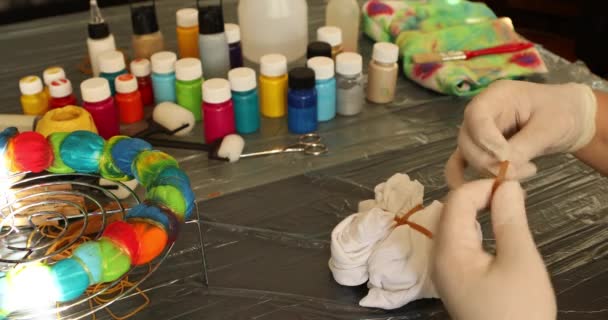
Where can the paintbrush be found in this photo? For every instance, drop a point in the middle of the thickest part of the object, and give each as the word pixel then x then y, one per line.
pixel 435 57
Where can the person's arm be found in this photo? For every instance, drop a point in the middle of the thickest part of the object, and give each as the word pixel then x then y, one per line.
pixel 595 154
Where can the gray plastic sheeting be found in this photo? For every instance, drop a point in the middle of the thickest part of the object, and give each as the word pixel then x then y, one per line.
pixel 267 221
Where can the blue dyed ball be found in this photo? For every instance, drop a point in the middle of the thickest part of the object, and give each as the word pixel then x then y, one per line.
pixel 125 151
pixel 81 151
pixel 160 216
pixel 177 178
pixel 71 279
pixel 89 253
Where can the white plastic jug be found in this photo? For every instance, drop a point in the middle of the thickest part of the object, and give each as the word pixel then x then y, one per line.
pixel 273 26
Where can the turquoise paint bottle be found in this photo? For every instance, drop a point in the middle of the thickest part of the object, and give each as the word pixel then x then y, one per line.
pixel 163 76
pixel 111 65
pixel 246 100
pixel 325 83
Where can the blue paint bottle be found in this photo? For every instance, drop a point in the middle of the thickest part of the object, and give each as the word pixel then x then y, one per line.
pixel 326 87
pixel 246 101
pixel 111 65
pixel 302 101
pixel 163 76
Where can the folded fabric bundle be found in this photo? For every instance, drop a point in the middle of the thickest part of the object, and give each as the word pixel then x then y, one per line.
pixel 436 26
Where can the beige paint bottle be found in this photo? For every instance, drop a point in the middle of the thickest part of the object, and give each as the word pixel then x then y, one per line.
pixel 147 38
pixel 382 73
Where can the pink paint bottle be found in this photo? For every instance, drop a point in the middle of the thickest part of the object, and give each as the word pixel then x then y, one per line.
pixel 218 109
pixel 98 101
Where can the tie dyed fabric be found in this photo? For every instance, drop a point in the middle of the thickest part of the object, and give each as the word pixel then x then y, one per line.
pixel 425 26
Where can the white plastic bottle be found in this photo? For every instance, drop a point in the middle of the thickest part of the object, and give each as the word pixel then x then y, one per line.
pixel 273 26
pixel 100 39
pixel 346 15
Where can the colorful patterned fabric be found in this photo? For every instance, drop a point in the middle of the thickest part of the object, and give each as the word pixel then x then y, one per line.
pixel 426 26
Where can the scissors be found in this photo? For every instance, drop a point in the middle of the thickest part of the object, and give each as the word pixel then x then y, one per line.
pixel 310 144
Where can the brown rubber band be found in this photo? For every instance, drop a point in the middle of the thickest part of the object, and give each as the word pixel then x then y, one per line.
pixel 404 220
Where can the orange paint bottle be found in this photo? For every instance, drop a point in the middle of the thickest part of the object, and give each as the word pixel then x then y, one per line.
pixel 187 33
pixel 128 99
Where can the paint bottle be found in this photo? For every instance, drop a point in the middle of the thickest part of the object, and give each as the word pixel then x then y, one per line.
pixel 233 34
pixel 33 100
pixel 111 65
pixel 246 100
pixel 163 76
pixel 187 32
pixel 147 38
pixel 62 94
pixel 97 100
pixel 318 49
pixel 212 42
pixel 333 36
pixel 273 85
pixel 302 101
pixel 218 109
pixel 346 15
pixel 189 75
pixel 128 99
pixel 349 81
pixel 100 39
pixel 141 69
pixel 325 84
pixel 49 75
pixel 382 73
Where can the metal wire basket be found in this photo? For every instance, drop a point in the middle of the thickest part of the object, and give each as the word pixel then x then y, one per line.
pixel 76 207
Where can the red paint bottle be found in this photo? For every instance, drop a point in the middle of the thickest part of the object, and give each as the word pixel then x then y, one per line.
pixel 141 69
pixel 128 99
pixel 98 101
pixel 218 109
pixel 62 94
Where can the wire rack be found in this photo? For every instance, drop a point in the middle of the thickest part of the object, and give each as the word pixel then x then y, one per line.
pixel 75 206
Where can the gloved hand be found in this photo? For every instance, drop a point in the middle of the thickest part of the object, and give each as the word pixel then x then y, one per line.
pixel 475 285
pixel 537 119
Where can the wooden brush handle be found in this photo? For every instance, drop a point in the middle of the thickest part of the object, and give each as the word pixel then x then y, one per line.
pixel 505 48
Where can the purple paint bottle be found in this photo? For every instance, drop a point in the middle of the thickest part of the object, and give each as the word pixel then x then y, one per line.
pixel 233 34
pixel 98 101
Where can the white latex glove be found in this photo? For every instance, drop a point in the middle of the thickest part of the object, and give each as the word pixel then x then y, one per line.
pixel 352 242
pixel 475 285
pixel 400 266
pixel 537 119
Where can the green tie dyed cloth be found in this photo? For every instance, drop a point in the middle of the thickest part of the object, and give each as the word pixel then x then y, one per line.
pixel 427 26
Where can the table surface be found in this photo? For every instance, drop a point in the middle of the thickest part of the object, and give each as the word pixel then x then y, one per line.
pixel 267 221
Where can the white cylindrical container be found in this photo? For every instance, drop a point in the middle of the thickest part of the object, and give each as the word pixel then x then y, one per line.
pixel 273 26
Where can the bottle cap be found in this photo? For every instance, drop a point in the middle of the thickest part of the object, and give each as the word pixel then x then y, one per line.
pixel 210 20
pixel 385 52
pixel 126 83
pixel 322 66
pixel 30 85
pixel 98 30
pixel 60 88
pixel 318 49
pixel 273 65
pixel 330 34
pixel 187 17
pixel 216 90
pixel 163 62
pixel 301 78
pixel 187 69
pixel 51 74
pixel 95 90
pixel 111 62
pixel 140 67
pixel 242 79
pixel 349 63
pixel 233 32
pixel 143 20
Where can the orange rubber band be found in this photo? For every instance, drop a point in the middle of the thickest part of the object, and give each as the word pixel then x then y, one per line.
pixel 405 220
pixel 500 178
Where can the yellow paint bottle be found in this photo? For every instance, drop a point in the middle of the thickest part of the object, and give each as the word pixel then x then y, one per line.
pixel 33 98
pixel 273 85
pixel 187 33
pixel 49 75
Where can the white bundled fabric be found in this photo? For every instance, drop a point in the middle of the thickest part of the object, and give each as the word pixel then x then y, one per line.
pixel 352 242
pixel 400 266
pixel 353 239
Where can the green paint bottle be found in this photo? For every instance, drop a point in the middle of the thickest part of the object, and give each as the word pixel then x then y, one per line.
pixel 188 87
